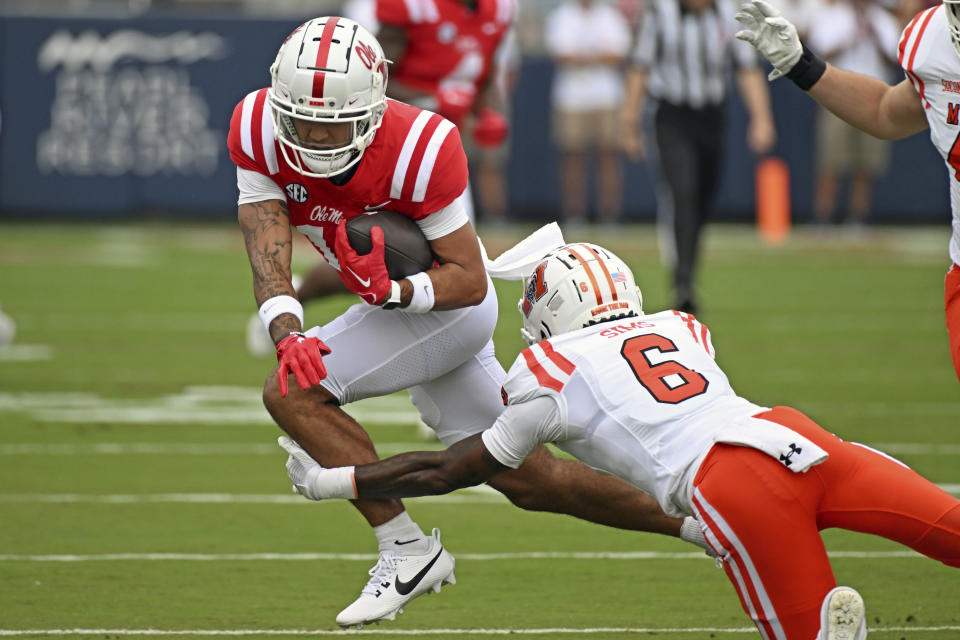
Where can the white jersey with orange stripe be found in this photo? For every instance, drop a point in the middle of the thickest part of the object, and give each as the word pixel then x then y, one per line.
pixel 641 398
pixel 933 67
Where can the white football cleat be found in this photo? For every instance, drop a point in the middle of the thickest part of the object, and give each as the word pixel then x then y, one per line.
pixel 843 615
pixel 398 578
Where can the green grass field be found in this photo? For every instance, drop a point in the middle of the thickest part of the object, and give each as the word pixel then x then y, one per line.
pixel 141 491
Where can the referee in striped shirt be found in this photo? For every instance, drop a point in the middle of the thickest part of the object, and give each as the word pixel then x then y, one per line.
pixel 685 55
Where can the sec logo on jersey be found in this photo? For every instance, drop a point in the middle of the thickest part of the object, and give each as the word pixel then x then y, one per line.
pixel 296 192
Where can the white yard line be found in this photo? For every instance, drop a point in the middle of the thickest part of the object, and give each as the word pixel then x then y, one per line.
pixel 411 632
pixel 367 557
pixel 270 448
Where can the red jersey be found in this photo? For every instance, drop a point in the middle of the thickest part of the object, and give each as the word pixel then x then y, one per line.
pixel 447 43
pixel 415 166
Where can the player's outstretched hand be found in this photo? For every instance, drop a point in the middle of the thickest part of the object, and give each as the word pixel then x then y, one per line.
pixel 301 468
pixel 774 36
pixel 366 275
pixel 490 128
pixel 302 356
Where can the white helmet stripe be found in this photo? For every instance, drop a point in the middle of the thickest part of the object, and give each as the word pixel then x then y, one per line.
pixel 406 153
pixel 430 158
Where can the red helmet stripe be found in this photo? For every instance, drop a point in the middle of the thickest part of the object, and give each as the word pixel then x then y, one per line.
pixel 323 53
pixel 593 280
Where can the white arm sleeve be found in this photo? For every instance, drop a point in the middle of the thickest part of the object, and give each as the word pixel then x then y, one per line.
pixel 521 428
pixel 444 221
pixel 256 187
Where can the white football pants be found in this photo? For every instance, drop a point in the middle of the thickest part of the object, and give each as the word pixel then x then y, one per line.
pixel 445 359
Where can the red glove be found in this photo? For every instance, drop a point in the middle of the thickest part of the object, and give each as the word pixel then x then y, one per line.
pixel 366 275
pixel 304 357
pixel 490 128
pixel 453 103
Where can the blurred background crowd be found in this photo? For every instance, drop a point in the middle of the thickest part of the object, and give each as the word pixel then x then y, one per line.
pixel 120 108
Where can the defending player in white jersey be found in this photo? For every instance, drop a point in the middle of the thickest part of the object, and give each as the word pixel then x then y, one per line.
pixel 929 97
pixel 643 398
pixel 318 147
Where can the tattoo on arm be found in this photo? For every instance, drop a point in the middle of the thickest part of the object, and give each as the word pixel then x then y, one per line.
pixel 269 243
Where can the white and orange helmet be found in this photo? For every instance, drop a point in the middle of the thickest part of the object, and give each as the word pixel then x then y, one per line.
pixel 576 286
pixel 329 70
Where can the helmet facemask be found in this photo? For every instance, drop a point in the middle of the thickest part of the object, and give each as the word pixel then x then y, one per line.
pixel 952 10
pixel 577 286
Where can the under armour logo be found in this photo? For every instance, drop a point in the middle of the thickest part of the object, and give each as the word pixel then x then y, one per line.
pixel 785 459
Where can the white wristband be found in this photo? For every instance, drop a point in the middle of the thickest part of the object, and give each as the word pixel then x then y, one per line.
pixel 278 305
pixel 331 483
pixel 422 300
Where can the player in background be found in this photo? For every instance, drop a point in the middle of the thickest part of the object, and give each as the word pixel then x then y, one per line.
pixel 929 97
pixel 642 397
pixel 318 147
pixel 447 56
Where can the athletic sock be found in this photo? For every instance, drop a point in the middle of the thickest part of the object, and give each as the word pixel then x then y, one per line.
pixel 401 534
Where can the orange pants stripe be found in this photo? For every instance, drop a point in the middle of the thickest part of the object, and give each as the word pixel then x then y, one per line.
pixel 951 295
pixel 765 520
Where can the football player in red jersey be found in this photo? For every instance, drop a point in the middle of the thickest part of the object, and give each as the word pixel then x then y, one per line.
pixel 321 145
pixel 445 54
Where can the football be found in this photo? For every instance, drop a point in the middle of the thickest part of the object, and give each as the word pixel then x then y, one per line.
pixel 406 250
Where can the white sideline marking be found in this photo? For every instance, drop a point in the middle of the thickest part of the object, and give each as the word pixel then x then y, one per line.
pixel 25 352
pixel 470 495
pixel 210 405
pixel 407 632
pixel 367 557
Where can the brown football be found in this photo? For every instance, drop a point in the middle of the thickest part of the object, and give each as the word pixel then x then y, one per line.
pixel 406 250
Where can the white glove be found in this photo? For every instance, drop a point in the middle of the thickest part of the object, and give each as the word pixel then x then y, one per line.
pixel 774 36
pixel 691 532
pixel 301 468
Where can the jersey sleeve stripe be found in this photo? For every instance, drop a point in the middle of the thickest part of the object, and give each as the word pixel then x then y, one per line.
pixel 266 139
pixel 413 10
pixel 406 152
pixel 913 54
pixel 565 365
pixel 906 37
pixel 539 372
pixel 430 159
pixel 256 124
pixel 246 118
pixel 687 320
pixel 430 11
